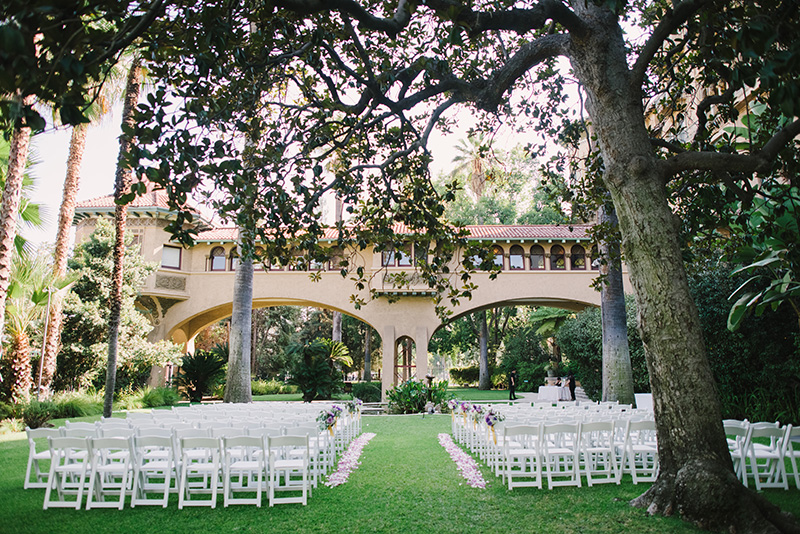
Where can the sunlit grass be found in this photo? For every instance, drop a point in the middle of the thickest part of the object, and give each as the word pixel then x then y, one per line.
pixel 406 483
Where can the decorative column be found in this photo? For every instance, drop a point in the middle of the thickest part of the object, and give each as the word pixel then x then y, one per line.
pixel 389 355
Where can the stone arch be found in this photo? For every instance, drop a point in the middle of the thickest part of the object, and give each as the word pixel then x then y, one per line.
pixel 404 359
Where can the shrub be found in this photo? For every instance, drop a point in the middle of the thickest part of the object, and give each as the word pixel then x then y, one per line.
pixel 130 400
pixel 8 410
pixel 77 404
pixel 367 391
pixel 36 414
pixel 412 396
pixel 269 387
pixel 155 397
pixel 200 373
pixel 464 376
pixel 314 371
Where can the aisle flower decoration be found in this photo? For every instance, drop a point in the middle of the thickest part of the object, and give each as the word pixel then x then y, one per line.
pixel 492 418
pixel 327 418
pixel 349 460
pixel 464 462
pixel 477 413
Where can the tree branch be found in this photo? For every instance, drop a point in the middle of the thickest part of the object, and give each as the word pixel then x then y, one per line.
pixel 391 27
pixel 670 22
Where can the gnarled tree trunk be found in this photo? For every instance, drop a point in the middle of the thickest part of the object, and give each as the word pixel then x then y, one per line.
pixel 696 478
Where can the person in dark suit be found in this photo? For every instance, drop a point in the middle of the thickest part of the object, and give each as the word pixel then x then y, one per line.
pixel 512 385
pixel 571 384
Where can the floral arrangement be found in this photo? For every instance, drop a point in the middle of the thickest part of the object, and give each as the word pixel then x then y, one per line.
pixel 349 460
pixel 477 413
pixel 353 405
pixel 492 418
pixel 453 404
pixel 464 462
pixel 327 418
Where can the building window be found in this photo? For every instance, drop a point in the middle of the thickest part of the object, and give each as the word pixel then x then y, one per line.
pixel 404 258
pixel 557 258
pixel 595 259
pixel 498 256
pixel 170 257
pixel 218 259
pixel 137 235
pixel 577 258
pixel 420 253
pixel 234 259
pixel 387 258
pixel 537 258
pixel 516 258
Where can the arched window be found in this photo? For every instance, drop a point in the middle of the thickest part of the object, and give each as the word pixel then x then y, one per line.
pixel 557 258
pixel 537 258
pixel 577 258
pixel 234 259
pixel 516 258
pixel 497 251
pixel 595 257
pixel 218 259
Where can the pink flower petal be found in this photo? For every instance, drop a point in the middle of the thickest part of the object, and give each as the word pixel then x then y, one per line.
pixel 464 462
pixel 349 460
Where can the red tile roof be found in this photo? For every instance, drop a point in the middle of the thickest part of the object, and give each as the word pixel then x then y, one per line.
pixel 485 231
pixel 152 199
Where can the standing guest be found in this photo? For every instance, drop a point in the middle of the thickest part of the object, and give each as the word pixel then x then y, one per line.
pixel 512 385
pixel 571 384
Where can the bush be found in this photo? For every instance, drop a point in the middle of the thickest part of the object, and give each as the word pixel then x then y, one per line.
pixel 77 404
pixel 367 391
pixel 8 411
pixel 153 398
pixel 200 373
pixel 270 387
pixel 412 396
pixel 36 414
pixel 464 376
pixel 314 371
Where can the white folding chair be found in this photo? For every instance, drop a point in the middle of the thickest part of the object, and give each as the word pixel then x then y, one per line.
pixel 737 435
pixel 200 462
pixel 69 464
pixel 766 461
pixel 243 468
pixel 641 451
pixel 793 453
pixel 598 455
pixel 110 461
pixel 288 471
pixel 35 456
pixel 522 456
pixel 561 454
pixel 154 468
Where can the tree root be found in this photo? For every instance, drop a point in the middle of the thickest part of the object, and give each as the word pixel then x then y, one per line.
pixel 711 497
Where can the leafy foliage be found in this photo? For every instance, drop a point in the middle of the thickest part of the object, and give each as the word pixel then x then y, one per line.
pixel 464 376
pixel 314 372
pixel 581 342
pixel 367 391
pixel 200 373
pixel 412 395
pixel 82 359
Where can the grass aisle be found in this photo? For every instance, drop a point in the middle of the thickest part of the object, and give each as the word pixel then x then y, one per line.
pixel 406 484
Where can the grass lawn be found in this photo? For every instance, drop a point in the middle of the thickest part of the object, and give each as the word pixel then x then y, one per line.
pixel 406 483
pixel 475 394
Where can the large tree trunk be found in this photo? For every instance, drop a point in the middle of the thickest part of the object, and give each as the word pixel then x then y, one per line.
pixel 124 178
pixel 237 386
pixel 9 211
pixel 65 215
pixel 617 373
pixel 484 380
pixel 696 478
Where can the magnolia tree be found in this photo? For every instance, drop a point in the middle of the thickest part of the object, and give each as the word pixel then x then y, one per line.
pixel 303 81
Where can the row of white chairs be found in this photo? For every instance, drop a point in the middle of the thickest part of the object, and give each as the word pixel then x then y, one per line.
pixel 761 452
pixel 108 470
pixel 524 453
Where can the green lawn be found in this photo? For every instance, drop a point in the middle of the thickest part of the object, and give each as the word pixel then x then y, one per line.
pixel 475 394
pixel 406 483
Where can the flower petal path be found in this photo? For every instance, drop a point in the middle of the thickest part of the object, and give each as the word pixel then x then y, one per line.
pixel 464 462
pixel 349 460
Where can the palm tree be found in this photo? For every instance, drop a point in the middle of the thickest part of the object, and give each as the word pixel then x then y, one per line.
pixel 66 213
pixel 31 282
pixel 122 185
pixel 12 196
pixel 237 384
